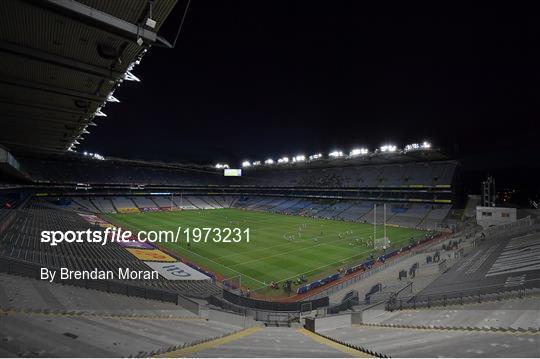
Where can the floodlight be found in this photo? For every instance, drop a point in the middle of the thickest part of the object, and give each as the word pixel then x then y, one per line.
pixel 315 157
pixel 299 158
pixel 111 98
pixel 151 23
pixel 358 152
pixel 336 154
pixel 128 76
pixel 283 160
pixel 417 146
pixel 388 148
pixel 269 162
pixel 246 164
pixel 256 163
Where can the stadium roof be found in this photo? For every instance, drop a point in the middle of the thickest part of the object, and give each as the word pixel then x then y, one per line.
pixel 61 60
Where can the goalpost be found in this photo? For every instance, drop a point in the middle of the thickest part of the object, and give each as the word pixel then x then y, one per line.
pixel 233 283
pixel 382 242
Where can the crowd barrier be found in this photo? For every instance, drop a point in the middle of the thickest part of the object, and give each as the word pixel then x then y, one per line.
pixel 519 227
pixel 460 297
pixel 275 306
pixel 359 276
pixel 278 316
pixel 33 270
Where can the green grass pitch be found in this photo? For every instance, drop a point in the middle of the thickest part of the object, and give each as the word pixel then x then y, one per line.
pixel 322 247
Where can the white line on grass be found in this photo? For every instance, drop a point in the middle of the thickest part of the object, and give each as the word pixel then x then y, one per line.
pixel 208 259
pixel 292 251
pixel 289 243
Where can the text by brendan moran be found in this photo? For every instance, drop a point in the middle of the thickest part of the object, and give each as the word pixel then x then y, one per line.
pixel 120 274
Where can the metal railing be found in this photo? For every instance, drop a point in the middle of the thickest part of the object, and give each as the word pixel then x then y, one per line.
pixel 460 297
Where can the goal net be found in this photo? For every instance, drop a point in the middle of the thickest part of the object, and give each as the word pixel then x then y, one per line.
pixel 232 283
pixel 381 243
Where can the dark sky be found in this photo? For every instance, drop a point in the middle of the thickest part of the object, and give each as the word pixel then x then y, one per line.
pixel 258 79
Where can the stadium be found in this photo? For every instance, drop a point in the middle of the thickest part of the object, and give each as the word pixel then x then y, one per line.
pixel 375 251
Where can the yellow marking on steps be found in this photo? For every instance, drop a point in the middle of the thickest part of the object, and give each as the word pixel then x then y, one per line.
pixel 209 344
pixel 340 347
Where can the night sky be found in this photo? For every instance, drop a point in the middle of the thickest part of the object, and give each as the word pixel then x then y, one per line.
pixel 253 79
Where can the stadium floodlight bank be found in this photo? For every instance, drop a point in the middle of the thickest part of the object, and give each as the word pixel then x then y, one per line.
pixel 339 155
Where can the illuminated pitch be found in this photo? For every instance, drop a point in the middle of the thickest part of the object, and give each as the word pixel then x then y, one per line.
pixel 281 247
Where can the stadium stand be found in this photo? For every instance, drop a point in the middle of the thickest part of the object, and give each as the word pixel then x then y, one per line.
pixel 124 204
pixel 424 216
pixel 21 241
pixel 162 201
pixel 116 171
pixel 469 323
pixel 144 203
pixel 279 342
pixel 519 313
pixel 406 342
pixel 102 336
pixel 493 265
pixel 103 204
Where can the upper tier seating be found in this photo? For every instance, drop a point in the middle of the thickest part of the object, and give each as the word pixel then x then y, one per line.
pixel 119 172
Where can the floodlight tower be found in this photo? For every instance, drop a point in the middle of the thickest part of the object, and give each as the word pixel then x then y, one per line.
pixel 488 192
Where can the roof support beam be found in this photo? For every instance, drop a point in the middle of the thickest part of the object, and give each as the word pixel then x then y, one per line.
pixel 48 148
pixel 98 19
pixel 60 61
pixel 26 119
pixel 40 106
pixel 53 89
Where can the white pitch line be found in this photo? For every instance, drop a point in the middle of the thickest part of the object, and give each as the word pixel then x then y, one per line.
pixel 288 252
pixel 290 243
pixel 245 275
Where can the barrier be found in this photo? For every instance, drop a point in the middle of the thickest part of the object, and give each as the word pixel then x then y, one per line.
pixel 360 275
pixel 151 255
pixel 329 322
pixel 150 209
pixel 368 268
pixel 128 210
pixel 458 297
pixel 273 306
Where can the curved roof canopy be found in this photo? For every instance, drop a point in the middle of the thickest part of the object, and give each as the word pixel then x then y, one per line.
pixel 61 61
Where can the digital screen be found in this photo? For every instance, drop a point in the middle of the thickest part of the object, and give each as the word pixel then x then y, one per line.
pixel 233 172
